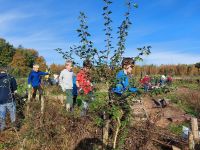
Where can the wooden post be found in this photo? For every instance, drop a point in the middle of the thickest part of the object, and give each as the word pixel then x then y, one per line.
pixel 42 104
pixel 29 96
pixel 195 130
pixel 105 131
pixel 191 141
pixel 175 148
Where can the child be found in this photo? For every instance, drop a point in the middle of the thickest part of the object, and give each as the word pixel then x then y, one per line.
pixel 8 87
pixel 123 85
pixel 123 77
pixel 66 83
pixel 74 91
pixel 34 79
pixel 83 79
pixel 84 85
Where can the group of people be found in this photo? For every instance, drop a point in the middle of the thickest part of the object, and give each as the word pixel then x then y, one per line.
pixel 149 83
pixel 73 85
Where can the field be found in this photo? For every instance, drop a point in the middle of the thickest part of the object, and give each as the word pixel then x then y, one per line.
pixel 58 129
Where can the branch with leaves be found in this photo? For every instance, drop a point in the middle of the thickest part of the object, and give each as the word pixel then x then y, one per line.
pixel 86 49
pixel 123 33
pixel 108 29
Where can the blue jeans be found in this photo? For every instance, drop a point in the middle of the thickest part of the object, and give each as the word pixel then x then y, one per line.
pixel 11 107
pixel 146 88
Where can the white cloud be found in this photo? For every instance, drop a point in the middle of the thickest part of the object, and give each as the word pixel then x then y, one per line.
pixel 10 18
pixel 167 57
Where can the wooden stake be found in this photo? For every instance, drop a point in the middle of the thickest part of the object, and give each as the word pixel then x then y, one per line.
pixel 191 141
pixel 175 148
pixel 195 130
pixel 42 105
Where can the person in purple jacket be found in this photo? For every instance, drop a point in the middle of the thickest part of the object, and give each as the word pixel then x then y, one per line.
pixel 34 80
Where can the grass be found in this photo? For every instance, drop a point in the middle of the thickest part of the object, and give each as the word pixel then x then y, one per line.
pixel 1 146
pixel 188 99
pixel 58 125
pixel 177 129
pixel 186 84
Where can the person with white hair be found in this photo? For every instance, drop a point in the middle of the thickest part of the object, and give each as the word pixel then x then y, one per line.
pixel 34 80
pixel 163 80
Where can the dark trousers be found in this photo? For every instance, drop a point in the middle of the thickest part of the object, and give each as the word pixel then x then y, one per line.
pixel 35 89
pixel 74 100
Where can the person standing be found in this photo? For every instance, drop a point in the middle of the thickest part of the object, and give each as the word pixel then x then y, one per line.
pixel 74 91
pixel 85 86
pixel 83 80
pixel 34 80
pixel 8 87
pixel 66 83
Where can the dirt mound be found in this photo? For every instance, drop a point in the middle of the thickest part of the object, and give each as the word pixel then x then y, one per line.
pixel 162 116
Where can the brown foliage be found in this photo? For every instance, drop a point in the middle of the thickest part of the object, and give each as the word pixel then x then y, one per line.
pixel 178 70
pixel 41 61
pixel 56 68
pixel 18 64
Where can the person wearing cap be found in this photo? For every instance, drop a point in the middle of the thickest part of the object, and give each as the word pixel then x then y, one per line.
pixel 8 87
pixel 34 80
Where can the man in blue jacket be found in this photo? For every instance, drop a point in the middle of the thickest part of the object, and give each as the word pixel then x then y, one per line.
pixel 8 87
pixel 34 79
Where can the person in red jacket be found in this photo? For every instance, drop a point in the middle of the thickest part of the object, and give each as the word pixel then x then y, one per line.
pixel 146 82
pixel 83 80
pixel 169 79
pixel 84 85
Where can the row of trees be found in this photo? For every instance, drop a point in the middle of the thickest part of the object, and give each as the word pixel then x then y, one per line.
pixel 20 60
pixel 175 70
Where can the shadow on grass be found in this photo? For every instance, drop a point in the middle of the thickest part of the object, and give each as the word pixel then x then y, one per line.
pixel 91 144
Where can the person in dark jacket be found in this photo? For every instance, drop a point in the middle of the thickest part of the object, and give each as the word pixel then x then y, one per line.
pixel 34 79
pixel 8 87
pixel 74 91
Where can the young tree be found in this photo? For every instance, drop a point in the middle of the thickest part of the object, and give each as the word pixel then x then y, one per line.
pixel 106 65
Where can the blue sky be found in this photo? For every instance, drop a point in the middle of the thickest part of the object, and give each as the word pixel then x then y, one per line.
pixel 171 27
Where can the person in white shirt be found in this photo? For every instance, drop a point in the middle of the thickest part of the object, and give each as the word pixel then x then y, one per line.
pixel 66 83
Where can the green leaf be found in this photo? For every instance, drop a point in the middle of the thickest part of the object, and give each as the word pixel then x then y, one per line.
pixel 135 5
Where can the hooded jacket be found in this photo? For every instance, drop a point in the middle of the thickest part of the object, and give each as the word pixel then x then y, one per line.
pixel 8 85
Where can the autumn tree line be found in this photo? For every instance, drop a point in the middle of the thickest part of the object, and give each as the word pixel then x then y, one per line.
pixel 20 61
